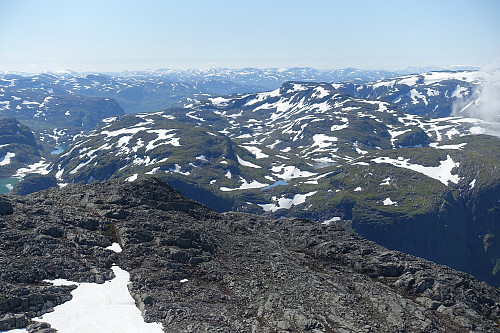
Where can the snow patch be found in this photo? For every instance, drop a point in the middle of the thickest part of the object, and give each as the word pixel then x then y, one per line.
pixel 110 307
pixel 6 159
pixel 389 202
pixel 386 181
pixel 247 164
pixel 290 172
pixel 40 167
pixel 245 185
pixel 331 221
pixel 457 146
pixel 132 178
pixel 323 141
pixel 441 172
pixel 256 151
pixel 115 247
pixel 284 203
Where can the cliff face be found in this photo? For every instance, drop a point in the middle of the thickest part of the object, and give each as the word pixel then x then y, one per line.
pixel 195 270
pixel 453 225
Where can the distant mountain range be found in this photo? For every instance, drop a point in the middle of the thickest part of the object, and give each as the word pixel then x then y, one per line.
pixel 54 102
pixel 310 150
pixel 370 156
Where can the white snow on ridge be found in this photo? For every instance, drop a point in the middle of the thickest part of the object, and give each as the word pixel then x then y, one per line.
pixel 247 164
pixel 133 130
pixel 132 178
pixel 320 92
pixel 219 101
pixel 441 172
pixel 202 158
pixel 256 151
pixel 6 105
pixel 416 95
pixel 262 96
pixel 109 305
pixel 323 141
pixel 109 119
pixel 284 203
pixel 410 80
pixel 434 77
pixel 340 127
pixel 460 92
pixel 386 181
pixel 6 159
pixel 395 134
pixel 177 169
pixel 115 247
pixel 39 167
pixel 330 221
pixel 290 172
pixel 389 202
pixel 162 135
pixel 245 185
pixel 457 146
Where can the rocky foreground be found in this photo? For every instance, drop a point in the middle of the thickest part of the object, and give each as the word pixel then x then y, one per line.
pixel 239 272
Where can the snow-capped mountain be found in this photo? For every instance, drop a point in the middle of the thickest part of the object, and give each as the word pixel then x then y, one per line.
pixel 315 150
pixel 55 114
pixel 57 102
pixel 316 122
pixel 433 94
pixel 310 150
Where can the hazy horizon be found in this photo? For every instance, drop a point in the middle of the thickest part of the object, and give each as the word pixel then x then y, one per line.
pixel 113 36
pixel 397 71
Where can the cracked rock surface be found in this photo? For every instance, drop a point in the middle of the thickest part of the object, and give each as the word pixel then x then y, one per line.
pixel 194 270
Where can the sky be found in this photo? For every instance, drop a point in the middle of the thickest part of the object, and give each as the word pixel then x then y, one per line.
pixel 115 35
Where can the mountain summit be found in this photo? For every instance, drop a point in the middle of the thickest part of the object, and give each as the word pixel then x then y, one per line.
pixel 195 270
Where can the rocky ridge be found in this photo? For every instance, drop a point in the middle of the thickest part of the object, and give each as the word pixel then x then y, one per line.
pixel 239 272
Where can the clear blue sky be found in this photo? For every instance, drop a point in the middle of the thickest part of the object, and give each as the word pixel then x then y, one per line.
pixel 110 35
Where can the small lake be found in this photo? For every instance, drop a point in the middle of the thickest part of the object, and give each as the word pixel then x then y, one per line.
pixel 6 184
pixel 276 183
pixel 58 150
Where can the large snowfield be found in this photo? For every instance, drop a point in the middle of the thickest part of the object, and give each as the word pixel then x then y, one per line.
pixel 99 308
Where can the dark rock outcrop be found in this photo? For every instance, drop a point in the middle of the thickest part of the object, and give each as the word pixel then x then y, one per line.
pixel 33 183
pixel 11 131
pixel 198 271
pixel 5 206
